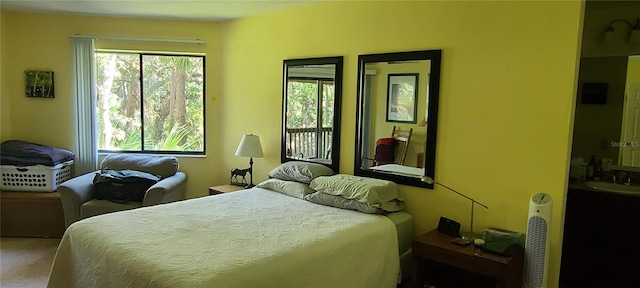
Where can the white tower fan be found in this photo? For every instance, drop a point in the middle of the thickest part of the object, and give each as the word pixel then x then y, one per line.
pixel 536 255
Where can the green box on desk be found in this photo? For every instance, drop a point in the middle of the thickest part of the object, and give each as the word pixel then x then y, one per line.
pixel 497 234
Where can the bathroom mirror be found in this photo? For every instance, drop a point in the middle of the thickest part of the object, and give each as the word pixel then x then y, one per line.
pixel 397 115
pixel 311 100
pixel 609 129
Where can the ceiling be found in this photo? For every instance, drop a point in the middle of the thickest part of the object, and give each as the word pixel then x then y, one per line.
pixel 201 10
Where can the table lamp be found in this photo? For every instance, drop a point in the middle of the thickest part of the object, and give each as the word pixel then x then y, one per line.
pixel 464 235
pixel 250 147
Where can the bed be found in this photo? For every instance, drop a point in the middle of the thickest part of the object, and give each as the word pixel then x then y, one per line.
pixel 250 238
pixel 400 170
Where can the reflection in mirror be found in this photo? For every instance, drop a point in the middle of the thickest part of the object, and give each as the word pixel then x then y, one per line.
pixel 397 116
pixel 606 122
pixel 311 98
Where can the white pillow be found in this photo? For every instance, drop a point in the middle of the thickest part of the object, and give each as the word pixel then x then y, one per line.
pixel 374 192
pixel 291 188
pixel 299 171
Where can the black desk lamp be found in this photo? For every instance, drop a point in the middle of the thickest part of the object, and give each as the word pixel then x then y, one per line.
pixel 250 147
pixel 465 235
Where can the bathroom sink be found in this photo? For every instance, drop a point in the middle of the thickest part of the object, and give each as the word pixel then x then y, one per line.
pixel 612 187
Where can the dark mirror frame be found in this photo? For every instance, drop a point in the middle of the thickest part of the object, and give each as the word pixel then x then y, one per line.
pixel 337 107
pixel 435 57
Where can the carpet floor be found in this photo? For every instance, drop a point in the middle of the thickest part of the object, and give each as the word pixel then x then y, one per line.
pixel 26 262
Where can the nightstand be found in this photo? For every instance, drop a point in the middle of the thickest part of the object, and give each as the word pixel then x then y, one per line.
pixel 439 261
pixel 215 190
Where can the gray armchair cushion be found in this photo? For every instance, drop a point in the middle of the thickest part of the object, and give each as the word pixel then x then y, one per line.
pixel 164 166
pixel 167 190
pixel 97 207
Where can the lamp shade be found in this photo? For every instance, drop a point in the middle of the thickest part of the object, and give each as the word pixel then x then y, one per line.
pixel 609 37
pixel 250 147
pixel 634 37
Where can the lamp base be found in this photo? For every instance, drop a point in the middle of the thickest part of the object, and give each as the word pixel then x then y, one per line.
pixel 249 186
pixel 470 235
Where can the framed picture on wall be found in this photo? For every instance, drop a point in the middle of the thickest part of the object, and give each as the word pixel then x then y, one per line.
pixel 402 98
pixel 39 84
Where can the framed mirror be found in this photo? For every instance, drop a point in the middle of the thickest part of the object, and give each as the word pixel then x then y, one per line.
pixel 397 116
pixel 606 114
pixel 311 101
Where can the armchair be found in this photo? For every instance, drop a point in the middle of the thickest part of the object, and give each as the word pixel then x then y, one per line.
pixel 393 149
pixel 77 197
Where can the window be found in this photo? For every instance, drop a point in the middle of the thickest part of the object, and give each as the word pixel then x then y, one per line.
pixel 309 117
pixel 150 103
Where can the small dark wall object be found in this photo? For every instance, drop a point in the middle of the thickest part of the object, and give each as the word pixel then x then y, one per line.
pixel 235 172
pixel 39 84
pixel 449 227
pixel 594 93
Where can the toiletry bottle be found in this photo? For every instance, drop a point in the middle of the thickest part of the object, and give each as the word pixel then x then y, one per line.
pixel 591 167
pixel 598 174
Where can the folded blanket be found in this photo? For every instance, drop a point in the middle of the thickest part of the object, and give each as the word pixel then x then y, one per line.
pixel 22 153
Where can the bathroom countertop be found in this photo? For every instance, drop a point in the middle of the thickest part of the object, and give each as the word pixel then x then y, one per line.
pixel 580 185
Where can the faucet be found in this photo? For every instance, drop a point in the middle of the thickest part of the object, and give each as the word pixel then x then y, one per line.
pixel 622 177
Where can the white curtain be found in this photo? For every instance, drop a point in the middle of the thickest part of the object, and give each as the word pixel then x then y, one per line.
pixel 366 121
pixel 84 109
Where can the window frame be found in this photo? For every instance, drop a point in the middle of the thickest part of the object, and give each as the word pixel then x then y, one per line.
pixel 141 54
pixel 319 82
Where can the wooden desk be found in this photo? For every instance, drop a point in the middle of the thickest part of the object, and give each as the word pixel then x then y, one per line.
pixel 435 249
pixel 215 190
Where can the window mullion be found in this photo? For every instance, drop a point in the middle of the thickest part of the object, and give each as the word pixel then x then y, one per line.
pixel 319 119
pixel 141 103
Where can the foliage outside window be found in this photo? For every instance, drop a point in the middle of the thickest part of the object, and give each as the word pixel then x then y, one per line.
pixel 150 103
pixel 306 110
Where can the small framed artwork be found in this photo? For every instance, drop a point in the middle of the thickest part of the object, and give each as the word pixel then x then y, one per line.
pixel 402 98
pixel 39 84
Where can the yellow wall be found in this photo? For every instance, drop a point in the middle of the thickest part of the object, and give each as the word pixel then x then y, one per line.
pixel 506 107
pixel 41 41
pixel 5 112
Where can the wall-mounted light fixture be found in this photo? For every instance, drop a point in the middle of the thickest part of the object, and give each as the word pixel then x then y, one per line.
pixel 634 38
pixel 634 32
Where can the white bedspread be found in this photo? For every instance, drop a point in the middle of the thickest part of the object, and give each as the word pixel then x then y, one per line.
pixel 400 169
pixel 249 238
